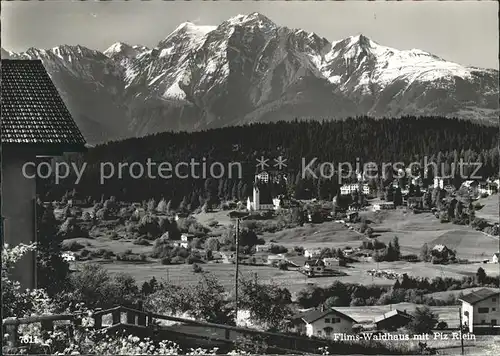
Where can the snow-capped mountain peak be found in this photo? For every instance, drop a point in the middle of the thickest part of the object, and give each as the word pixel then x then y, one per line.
pixel 116 48
pixel 124 51
pixel 190 29
pixel 249 69
pixel 186 36
pixel 254 19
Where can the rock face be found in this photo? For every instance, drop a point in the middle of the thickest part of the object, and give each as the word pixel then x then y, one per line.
pixel 248 69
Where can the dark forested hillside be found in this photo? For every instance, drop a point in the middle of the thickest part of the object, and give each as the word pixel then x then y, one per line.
pixel 389 140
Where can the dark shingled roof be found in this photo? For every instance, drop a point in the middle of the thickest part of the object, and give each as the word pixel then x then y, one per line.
pixel 392 314
pixel 477 296
pixel 312 316
pixel 32 110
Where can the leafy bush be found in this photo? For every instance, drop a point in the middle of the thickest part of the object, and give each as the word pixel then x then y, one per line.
pixel 282 265
pixel 131 257
pixel 442 325
pixel 148 225
pixel 278 249
pixel 177 260
pixel 423 322
pixel 15 301
pixel 94 286
pixel 166 261
pixel 197 268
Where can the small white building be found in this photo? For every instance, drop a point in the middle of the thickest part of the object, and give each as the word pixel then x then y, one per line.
pixel 275 258
pixel 495 257
pixel 332 262
pixel 186 240
pixel 263 248
pixel 311 253
pixel 468 184
pixel 347 251
pixel 314 266
pixel 417 181
pixel 487 188
pixel 383 206
pixel 347 189
pixel 326 323
pixel 438 182
pixel 75 202
pixel 68 256
pixel 227 256
pixel 481 309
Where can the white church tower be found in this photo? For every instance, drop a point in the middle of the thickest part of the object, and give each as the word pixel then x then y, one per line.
pixel 256 197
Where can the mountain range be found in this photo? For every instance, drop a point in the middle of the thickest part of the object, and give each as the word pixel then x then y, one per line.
pixel 249 69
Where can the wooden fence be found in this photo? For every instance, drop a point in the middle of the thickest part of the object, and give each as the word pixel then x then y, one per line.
pixel 139 323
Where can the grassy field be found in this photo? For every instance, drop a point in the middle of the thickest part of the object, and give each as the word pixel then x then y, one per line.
pixel 328 234
pixel 183 274
pixel 293 280
pixel 413 230
pixel 490 210
pixel 221 217
pixel 446 294
pixel 117 246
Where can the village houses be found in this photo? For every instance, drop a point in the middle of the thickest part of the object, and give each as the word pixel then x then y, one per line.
pixel 312 253
pixel 314 266
pixel 333 262
pixel 347 189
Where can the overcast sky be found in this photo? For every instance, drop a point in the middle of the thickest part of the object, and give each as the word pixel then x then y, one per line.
pixel 463 32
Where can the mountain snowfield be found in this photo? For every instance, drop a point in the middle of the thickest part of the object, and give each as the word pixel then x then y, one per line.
pixel 249 69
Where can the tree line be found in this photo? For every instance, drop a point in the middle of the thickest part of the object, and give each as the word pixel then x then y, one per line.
pixel 361 140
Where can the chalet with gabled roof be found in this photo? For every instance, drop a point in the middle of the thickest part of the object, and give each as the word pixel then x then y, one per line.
pixel 324 322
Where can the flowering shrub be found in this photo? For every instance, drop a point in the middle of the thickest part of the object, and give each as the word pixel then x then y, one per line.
pixel 15 301
pixel 97 343
pixel 68 339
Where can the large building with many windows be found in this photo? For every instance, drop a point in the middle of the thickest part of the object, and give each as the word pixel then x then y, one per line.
pixel 481 310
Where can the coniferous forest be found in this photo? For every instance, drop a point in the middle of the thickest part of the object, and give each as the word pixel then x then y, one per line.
pixel 408 139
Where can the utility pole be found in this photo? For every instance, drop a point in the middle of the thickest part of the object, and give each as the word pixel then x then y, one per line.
pixel 461 330
pixel 237 260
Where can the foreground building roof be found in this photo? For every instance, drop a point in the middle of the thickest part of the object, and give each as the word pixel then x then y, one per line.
pixel 393 313
pixel 32 110
pixel 479 295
